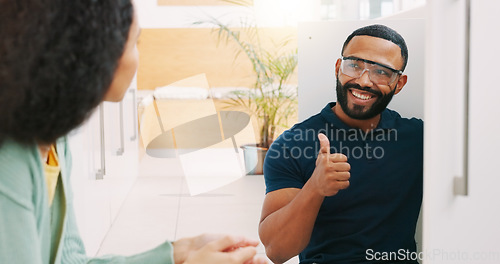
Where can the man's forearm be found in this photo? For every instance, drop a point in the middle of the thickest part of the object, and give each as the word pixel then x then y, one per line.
pixel 287 231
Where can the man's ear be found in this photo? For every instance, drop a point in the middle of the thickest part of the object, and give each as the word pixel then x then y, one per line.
pixel 337 67
pixel 401 83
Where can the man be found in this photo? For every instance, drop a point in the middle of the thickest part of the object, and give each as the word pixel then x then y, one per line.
pixel 358 199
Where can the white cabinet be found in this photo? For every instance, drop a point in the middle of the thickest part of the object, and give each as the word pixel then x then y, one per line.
pixel 105 166
pixel 458 228
pixel 121 141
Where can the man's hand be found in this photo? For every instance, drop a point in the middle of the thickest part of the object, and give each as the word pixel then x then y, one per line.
pixel 332 170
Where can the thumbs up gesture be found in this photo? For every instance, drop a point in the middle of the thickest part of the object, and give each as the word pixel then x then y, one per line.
pixel 332 170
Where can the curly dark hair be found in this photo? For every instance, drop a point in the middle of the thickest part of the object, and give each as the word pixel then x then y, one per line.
pixel 384 32
pixel 57 60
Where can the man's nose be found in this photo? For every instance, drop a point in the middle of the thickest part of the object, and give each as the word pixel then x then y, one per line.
pixel 364 79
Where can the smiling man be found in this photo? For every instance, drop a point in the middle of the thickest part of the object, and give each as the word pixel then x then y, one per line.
pixel 359 194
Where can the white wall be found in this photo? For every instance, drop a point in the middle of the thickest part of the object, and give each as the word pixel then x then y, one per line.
pixel 153 16
pixel 266 13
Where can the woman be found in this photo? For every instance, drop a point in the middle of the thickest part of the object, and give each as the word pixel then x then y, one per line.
pixel 58 60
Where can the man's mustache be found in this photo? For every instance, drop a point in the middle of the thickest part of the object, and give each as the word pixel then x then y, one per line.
pixel 366 89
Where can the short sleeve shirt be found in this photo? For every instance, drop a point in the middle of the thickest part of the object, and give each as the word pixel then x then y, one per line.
pixel 379 210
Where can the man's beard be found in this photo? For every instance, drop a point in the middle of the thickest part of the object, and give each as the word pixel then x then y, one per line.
pixel 358 111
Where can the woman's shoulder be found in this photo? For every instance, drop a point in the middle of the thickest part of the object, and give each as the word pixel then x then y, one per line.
pixel 20 172
pixel 15 155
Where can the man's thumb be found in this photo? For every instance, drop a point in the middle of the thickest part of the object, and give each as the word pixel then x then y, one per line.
pixel 324 144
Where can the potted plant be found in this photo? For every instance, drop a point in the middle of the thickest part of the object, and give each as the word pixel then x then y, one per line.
pixel 271 101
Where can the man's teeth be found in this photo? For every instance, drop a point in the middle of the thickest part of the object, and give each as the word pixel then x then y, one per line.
pixel 361 96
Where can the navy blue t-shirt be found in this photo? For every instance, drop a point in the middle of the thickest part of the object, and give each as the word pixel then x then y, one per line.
pixel 373 219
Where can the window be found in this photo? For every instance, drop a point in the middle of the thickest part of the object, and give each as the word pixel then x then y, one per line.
pixel 364 9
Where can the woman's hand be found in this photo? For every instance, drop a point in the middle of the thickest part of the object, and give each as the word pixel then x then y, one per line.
pixel 216 249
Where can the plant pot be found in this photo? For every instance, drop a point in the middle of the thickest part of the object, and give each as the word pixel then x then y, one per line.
pixel 254 159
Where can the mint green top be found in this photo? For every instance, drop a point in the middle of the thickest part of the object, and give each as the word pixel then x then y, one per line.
pixel 31 232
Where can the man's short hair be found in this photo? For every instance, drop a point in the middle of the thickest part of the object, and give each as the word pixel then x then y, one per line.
pixel 384 32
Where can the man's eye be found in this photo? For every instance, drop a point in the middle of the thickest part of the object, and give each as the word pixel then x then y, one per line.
pixel 382 72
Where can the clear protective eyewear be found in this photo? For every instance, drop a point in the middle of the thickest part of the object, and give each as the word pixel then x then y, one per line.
pixel 378 73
